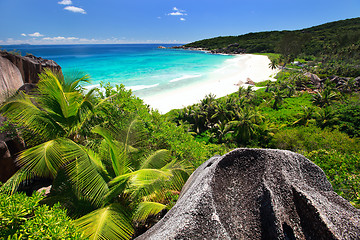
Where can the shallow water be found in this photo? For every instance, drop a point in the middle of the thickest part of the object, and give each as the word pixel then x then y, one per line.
pixel 142 67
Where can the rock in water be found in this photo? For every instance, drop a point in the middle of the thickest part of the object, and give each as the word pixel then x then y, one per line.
pixel 258 194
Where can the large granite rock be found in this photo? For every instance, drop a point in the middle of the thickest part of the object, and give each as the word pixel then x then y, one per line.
pixel 315 80
pixel 258 194
pixel 30 66
pixel 10 78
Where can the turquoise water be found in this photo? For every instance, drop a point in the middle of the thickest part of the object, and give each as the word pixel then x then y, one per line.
pixel 144 68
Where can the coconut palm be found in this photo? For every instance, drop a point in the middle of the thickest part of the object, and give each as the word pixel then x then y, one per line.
pixel 123 189
pixel 221 129
pixel 304 116
pixel 325 117
pixel 274 63
pixel 57 109
pixel 135 189
pixel 278 99
pixel 324 97
pixel 244 125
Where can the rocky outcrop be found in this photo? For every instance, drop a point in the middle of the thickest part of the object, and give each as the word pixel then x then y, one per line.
pixel 314 79
pixel 10 146
pixel 250 82
pixel 30 66
pixel 17 73
pixel 10 78
pixel 258 194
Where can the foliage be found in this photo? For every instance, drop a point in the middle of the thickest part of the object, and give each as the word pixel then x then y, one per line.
pixel 342 170
pixel 102 166
pixel 312 138
pixel 335 45
pixel 22 217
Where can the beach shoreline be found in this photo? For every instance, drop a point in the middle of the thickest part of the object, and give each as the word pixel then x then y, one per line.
pixel 221 82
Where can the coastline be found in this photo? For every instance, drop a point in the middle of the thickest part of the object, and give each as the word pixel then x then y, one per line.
pixel 220 82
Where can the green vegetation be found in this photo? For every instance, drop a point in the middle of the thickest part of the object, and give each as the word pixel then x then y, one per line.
pixel 117 166
pixel 335 45
pixel 22 217
pixel 298 112
pixel 109 171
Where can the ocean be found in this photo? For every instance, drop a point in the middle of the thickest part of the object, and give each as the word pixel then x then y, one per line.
pixel 144 68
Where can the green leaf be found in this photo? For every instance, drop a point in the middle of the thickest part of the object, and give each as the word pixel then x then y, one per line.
pixel 146 209
pixel 157 160
pixel 111 222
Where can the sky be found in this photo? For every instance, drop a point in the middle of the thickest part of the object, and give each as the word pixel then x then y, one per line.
pixel 158 21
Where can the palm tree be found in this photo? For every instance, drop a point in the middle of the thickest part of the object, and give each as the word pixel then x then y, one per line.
pixel 278 99
pixel 274 63
pixel 305 116
pixel 134 189
pixel 325 117
pixel 58 109
pixel 325 97
pixel 121 188
pixel 221 129
pixel 244 125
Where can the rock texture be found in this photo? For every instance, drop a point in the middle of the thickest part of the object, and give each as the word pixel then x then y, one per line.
pixel 30 66
pixel 315 80
pixel 258 194
pixel 10 78
pixel 10 146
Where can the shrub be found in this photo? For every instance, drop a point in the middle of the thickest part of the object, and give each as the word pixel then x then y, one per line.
pixel 22 217
pixel 307 139
pixel 342 170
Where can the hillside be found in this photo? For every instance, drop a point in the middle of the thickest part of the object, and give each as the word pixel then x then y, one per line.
pixel 317 40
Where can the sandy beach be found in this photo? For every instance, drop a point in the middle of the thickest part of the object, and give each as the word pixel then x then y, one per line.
pixel 220 82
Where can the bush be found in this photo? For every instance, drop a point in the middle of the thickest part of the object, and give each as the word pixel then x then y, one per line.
pixel 307 139
pixel 22 217
pixel 342 170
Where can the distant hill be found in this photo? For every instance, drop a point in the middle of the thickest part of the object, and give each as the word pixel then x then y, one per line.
pixel 318 40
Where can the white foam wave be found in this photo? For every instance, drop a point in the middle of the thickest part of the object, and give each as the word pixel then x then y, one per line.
pixel 185 77
pixel 140 87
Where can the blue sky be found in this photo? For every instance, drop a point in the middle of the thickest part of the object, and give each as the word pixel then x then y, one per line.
pixel 158 21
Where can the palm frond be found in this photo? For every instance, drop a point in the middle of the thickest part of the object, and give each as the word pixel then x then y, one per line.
pixel 12 184
pixel 157 160
pixel 43 160
pixel 85 172
pixel 118 154
pixel 146 209
pixel 22 110
pixel 111 222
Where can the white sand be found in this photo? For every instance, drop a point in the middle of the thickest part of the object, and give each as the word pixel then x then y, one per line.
pixel 221 82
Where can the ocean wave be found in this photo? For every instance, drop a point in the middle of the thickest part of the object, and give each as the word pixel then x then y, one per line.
pixel 185 77
pixel 140 87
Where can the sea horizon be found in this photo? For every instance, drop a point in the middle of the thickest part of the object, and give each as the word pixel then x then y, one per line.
pixel 143 68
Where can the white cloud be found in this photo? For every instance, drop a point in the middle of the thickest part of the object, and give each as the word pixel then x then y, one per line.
pixel 59 38
pixel 35 34
pixel 65 2
pixel 75 9
pixel 182 19
pixel 177 12
pixel 23 34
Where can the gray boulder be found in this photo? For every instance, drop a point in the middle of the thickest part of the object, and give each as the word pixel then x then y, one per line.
pixel 258 194
pixel 10 146
pixel 315 80
pixel 10 78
